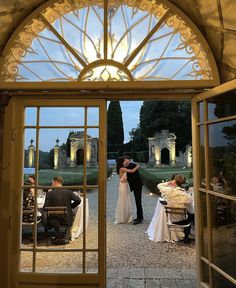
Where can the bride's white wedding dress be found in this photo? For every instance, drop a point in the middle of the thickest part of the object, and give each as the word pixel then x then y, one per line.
pixel 123 212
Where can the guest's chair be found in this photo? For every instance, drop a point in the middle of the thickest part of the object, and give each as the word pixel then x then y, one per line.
pixel 184 224
pixel 57 218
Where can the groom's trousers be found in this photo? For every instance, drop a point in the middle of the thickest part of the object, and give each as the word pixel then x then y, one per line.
pixel 138 200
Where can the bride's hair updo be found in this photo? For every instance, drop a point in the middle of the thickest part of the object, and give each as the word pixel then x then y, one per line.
pixel 119 164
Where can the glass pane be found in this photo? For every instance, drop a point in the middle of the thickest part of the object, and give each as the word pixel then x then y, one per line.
pixel 62 116
pixel 77 228
pixel 204 225
pixel 205 272
pixel 92 262
pixel 93 116
pixel 29 152
pixel 201 112
pixel 61 153
pixel 92 156
pixel 26 261
pixel 202 159
pixel 222 106
pixel 92 223
pixel 30 116
pixel 222 157
pixel 59 262
pixel 220 281
pixel 224 234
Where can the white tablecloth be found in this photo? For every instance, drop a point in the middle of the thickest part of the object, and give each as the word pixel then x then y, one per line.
pixel 77 226
pixel 158 230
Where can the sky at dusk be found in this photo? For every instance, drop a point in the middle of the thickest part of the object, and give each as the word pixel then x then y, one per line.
pixel 73 116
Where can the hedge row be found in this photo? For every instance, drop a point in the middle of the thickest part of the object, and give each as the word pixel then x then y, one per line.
pixel 73 178
pixel 151 180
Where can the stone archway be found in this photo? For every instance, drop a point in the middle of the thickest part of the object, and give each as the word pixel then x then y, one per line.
pixel 165 156
pixel 80 156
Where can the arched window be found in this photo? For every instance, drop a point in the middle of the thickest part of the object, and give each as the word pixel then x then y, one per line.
pixel 68 41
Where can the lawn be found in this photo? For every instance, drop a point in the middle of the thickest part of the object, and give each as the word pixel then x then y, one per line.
pixel 71 176
pixel 152 176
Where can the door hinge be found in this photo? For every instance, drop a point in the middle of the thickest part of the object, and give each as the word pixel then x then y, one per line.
pixel 10 222
pixel 13 134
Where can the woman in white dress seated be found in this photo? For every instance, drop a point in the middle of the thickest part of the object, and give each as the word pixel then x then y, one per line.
pixel 123 213
pixel 175 196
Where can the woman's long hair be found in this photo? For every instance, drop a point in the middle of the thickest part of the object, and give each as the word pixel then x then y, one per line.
pixel 119 164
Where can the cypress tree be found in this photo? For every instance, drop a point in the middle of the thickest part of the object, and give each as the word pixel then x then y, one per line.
pixel 115 130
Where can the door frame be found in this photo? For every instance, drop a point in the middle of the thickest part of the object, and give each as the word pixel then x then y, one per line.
pixel 13 148
pixel 215 92
pixel 6 219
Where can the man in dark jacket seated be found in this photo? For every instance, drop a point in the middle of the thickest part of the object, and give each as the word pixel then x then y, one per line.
pixel 60 197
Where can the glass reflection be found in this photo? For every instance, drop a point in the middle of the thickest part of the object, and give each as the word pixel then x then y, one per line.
pixel 204 225
pixel 202 158
pixel 222 106
pixel 205 270
pixel 201 112
pixel 224 234
pixel 222 157
pixel 221 282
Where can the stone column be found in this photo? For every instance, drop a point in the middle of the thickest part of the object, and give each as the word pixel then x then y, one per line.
pixel 72 155
pixel 56 155
pixel 88 152
pixel 172 154
pixel 151 149
pixel 189 156
pixel 158 156
pixel 31 149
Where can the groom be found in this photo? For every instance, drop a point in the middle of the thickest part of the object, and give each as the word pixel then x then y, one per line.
pixel 135 184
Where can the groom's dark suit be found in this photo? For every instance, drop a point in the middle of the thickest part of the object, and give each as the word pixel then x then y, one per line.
pixel 135 184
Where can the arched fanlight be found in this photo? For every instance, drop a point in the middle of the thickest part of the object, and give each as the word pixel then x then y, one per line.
pixel 113 40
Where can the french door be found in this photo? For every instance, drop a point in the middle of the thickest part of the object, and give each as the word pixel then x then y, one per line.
pixel 214 158
pixel 47 138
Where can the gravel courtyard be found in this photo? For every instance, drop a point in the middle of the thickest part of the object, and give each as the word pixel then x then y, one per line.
pixel 128 245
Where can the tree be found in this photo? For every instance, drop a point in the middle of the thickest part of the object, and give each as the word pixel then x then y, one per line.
pixel 68 144
pixel 174 116
pixel 137 140
pixel 115 130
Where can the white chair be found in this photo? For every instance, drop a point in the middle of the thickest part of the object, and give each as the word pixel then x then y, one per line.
pixel 171 211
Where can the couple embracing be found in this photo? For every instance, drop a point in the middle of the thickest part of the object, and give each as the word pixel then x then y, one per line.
pixel 130 180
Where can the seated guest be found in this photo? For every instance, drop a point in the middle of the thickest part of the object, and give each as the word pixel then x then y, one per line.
pixel 59 197
pixel 178 197
pixel 28 201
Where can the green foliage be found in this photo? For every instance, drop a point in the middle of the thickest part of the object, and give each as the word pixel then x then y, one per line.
pixel 44 160
pixel 151 177
pixel 112 155
pixel 142 156
pixel 115 130
pixel 138 141
pixel 174 116
pixel 71 176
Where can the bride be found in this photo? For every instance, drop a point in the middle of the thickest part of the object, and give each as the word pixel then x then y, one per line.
pixel 123 212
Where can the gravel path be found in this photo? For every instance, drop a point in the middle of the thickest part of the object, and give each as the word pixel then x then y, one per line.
pixel 127 244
